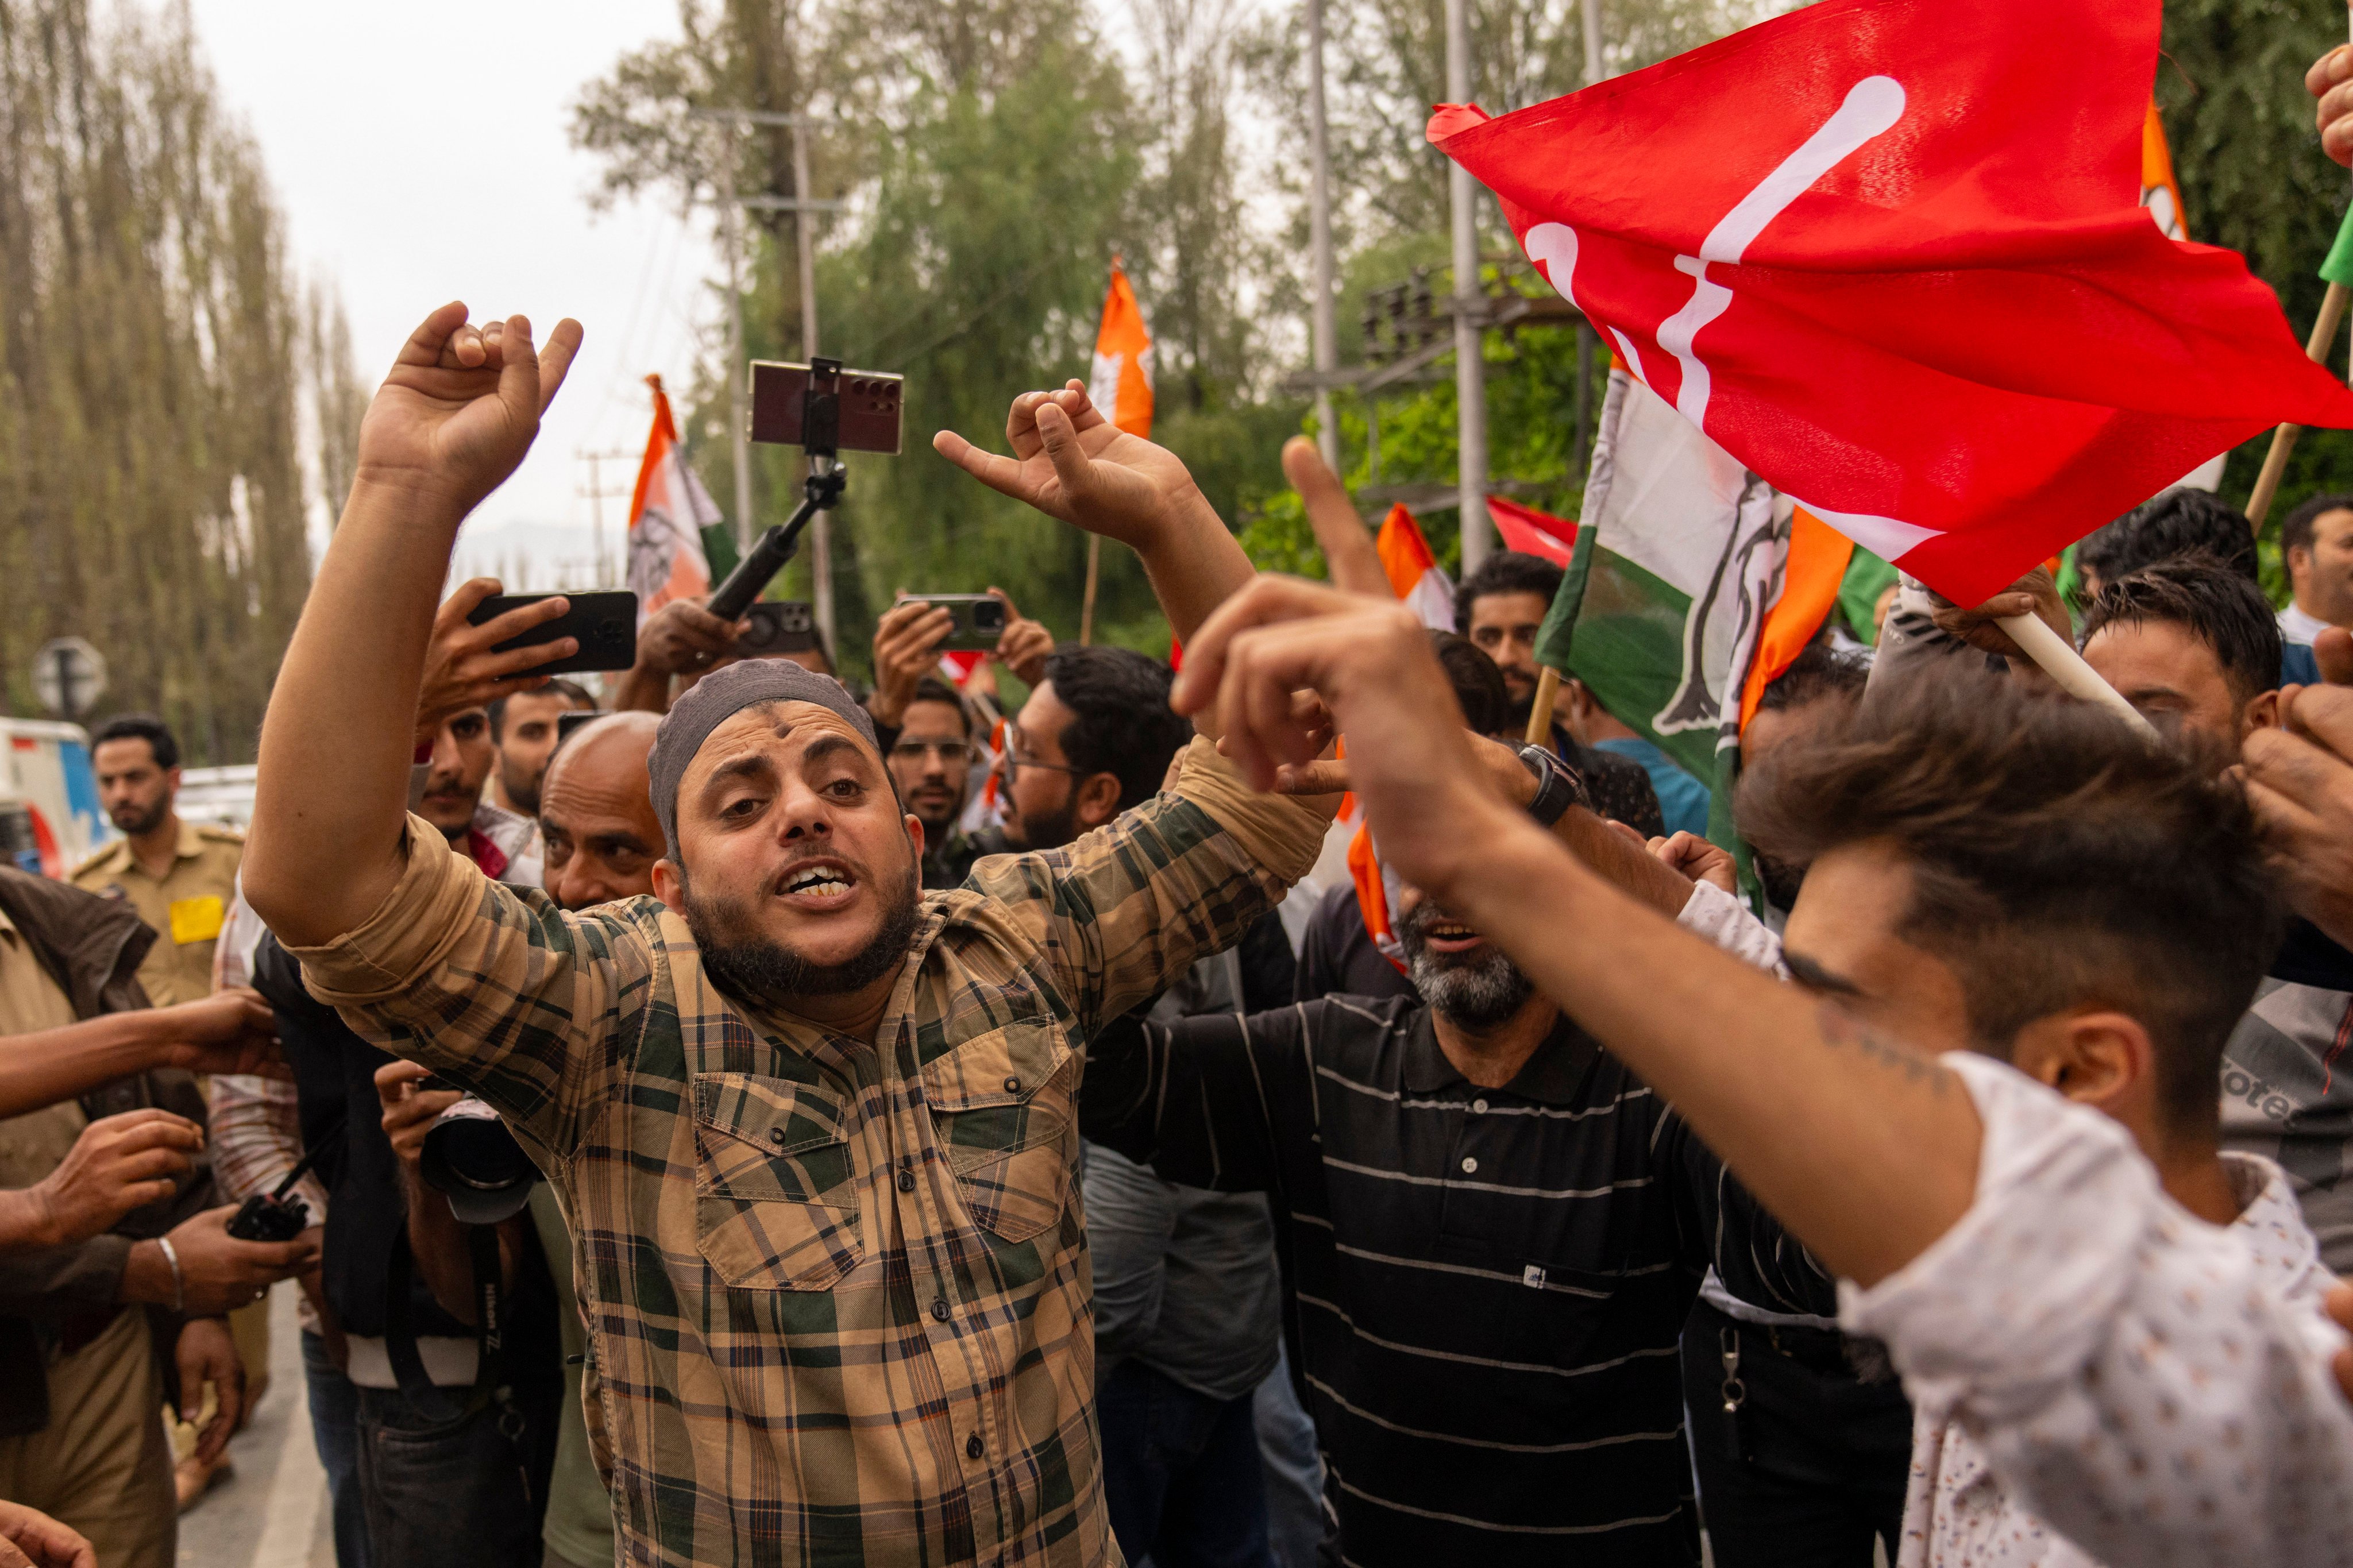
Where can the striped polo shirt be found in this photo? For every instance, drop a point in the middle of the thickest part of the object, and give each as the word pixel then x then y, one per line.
pixel 1488 1284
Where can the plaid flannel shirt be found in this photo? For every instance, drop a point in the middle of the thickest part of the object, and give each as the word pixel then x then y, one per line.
pixel 837 1290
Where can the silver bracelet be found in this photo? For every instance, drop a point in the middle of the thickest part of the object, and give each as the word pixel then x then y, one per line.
pixel 179 1296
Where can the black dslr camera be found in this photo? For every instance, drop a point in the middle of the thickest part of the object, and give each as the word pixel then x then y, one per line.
pixel 470 1156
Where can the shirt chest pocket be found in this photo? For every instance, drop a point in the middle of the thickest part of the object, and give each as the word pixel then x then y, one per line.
pixel 774 1194
pixel 1001 1106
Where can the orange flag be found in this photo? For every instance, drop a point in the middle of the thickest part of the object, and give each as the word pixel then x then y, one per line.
pixel 667 516
pixel 2160 191
pixel 1120 385
pixel 1415 575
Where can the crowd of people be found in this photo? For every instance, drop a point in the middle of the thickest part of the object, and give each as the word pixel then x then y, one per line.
pixel 726 1117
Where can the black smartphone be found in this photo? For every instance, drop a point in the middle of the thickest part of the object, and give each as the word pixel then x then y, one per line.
pixel 980 619
pixel 872 403
pixel 603 619
pixel 576 719
pixel 778 625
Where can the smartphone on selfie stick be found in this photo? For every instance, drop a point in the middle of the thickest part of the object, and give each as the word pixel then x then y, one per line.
pixel 825 410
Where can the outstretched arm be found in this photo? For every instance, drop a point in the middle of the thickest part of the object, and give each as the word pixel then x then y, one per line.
pixel 451 421
pixel 1889 1160
pixel 1070 462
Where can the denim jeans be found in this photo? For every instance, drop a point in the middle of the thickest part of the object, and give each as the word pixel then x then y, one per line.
pixel 464 1493
pixel 1294 1468
pixel 335 1428
pixel 1182 1476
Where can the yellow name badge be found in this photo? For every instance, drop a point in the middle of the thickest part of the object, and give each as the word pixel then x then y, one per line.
pixel 195 920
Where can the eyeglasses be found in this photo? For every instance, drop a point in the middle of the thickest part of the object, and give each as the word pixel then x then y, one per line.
pixel 1015 762
pixel 946 750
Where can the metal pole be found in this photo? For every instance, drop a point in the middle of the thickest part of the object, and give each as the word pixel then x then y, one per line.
pixel 1470 314
pixel 1319 220
pixel 739 429
pixel 821 532
pixel 596 516
pixel 1592 41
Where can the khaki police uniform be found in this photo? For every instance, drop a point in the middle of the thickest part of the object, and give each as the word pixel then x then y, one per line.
pixel 185 908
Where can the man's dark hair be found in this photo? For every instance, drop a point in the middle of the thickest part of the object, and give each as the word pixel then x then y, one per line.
pixel 2178 522
pixel 2060 860
pixel 2295 533
pixel 1478 682
pixel 1819 671
pixel 1121 722
pixel 1506 572
pixel 932 689
pixel 570 691
pixel 2212 603
pixel 141 727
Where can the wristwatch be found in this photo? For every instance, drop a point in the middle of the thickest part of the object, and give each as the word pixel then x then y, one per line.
pixel 1558 785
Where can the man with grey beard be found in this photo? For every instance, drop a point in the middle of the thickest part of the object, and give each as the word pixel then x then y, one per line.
pixel 1493 1233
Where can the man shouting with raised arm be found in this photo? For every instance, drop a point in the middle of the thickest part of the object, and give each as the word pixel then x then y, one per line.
pixel 2134 1375
pixel 812 1129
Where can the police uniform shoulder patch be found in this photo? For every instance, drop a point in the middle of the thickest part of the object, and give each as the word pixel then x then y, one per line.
pixel 117 852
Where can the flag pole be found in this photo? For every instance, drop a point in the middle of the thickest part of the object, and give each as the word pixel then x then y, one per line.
pixel 1540 714
pixel 2067 668
pixel 1086 605
pixel 2324 333
pixel 2338 271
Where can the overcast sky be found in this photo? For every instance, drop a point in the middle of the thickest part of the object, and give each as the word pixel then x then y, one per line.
pixel 418 151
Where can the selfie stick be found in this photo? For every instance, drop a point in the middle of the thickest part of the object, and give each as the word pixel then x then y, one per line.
pixel 821 437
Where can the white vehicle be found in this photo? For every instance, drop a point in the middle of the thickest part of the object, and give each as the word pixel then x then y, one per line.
pixel 50 816
pixel 217 798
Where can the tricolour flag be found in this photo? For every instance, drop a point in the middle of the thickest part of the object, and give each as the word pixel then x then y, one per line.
pixel 1121 385
pixel 1693 583
pixel 1415 575
pixel 2160 191
pixel 667 512
pixel 1890 255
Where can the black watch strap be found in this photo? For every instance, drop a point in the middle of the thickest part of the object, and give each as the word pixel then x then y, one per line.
pixel 1558 785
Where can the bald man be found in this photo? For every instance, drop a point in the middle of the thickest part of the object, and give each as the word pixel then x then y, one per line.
pixel 596 814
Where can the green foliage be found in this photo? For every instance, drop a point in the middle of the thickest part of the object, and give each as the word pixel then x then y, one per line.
pixel 2253 178
pixel 155 360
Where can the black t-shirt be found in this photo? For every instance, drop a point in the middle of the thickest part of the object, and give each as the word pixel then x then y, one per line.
pixel 334 1075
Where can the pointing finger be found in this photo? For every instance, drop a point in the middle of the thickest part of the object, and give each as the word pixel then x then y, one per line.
pixel 556 359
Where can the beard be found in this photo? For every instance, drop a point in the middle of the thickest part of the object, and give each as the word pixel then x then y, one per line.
pixel 522 786
pixel 130 820
pixel 1476 991
pixel 1048 830
pixel 756 969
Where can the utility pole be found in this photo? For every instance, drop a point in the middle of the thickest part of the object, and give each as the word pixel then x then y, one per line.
pixel 1592 9
pixel 739 428
pixel 1469 317
pixel 1319 220
pixel 597 494
pixel 800 206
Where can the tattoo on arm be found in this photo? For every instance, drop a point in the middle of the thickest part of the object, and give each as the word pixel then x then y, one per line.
pixel 1841 1030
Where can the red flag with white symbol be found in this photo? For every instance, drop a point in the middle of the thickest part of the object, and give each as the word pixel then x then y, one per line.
pixel 1532 533
pixel 1890 255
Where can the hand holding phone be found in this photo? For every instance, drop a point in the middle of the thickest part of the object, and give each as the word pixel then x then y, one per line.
pixel 978 619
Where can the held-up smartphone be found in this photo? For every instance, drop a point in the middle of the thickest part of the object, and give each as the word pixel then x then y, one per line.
pixel 980 619
pixel 871 403
pixel 603 619
pixel 576 719
pixel 778 625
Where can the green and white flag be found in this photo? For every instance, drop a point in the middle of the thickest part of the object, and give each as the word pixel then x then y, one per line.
pixel 1678 553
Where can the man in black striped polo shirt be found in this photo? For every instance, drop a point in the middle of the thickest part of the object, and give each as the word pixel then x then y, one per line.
pixel 1494 1233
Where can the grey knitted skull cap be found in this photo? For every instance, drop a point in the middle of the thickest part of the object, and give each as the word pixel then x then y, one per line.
pixel 719 696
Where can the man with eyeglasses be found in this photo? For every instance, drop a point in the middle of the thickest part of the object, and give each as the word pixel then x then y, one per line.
pixel 930 761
